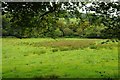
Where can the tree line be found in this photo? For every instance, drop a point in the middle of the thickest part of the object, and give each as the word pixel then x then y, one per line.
pixel 61 19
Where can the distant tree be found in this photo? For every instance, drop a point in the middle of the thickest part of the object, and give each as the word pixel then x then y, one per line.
pixel 83 25
pixel 73 25
pixel 68 32
pixel 94 31
pixel 58 33
pixel 61 25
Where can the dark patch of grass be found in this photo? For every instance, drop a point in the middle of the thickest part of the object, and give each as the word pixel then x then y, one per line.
pixel 64 49
pixel 17 76
pixel 13 57
pixel 53 76
pixel 66 75
pixel 48 77
pixel 42 52
pixel 26 64
pixel 41 62
pixel 6 57
pixel 93 47
pixel 39 52
pixel 55 49
pixel 25 54
pixel 38 78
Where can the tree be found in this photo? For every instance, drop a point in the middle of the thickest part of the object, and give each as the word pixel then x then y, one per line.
pixel 45 16
pixel 61 25
pixel 83 25
pixel 68 32
pixel 58 33
pixel 110 17
pixel 94 31
pixel 6 25
pixel 22 14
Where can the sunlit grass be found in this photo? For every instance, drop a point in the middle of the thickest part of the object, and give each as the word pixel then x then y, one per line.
pixel 67 57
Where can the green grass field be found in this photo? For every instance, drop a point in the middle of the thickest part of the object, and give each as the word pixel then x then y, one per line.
pixel 61 58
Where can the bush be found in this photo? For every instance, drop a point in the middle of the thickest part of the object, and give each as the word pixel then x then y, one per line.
pixel 58 33
pixel 68 32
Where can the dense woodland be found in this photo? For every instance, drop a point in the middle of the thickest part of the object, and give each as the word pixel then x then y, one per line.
pixel 61 19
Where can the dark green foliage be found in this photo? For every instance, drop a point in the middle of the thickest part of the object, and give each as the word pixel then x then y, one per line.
pixel 67 32
pixel 45 19
pixel 111 21
pixel 58 33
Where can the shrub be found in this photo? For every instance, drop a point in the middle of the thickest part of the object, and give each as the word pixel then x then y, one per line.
pixel 58 33
pixel 68 32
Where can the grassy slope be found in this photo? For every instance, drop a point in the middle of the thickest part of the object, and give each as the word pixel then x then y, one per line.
pixel 61 58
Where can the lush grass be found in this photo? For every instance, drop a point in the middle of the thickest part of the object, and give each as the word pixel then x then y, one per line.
pixel 67 57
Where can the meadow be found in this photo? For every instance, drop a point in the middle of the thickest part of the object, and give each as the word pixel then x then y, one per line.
pixel 60 58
